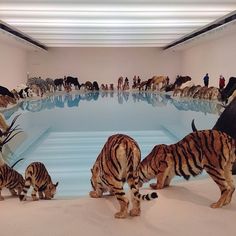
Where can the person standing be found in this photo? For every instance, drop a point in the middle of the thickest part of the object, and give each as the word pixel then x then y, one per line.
pixel 206 80
pixel 221 82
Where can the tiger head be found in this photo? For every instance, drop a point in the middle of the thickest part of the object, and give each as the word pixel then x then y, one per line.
pixel 50 190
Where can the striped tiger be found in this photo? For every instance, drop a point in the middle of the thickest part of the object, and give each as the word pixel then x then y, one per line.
pixel 10 179
pixel 116 164
pixel 37 175
pixel 211 150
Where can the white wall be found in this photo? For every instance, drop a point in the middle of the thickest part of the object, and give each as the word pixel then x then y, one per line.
pixel 104 64
pixel 215 57
pixel 13 65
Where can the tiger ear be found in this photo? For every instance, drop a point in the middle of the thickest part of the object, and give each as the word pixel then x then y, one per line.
pixel 56 184
pixel 91 170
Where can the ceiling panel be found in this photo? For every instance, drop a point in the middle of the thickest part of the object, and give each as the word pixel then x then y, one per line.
pixel 111 23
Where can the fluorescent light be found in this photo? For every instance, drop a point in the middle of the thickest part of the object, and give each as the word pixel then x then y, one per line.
pixel 99 7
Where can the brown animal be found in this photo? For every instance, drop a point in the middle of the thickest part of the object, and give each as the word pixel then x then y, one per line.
pixel 211 150
pixel 159 80
pixel 116 164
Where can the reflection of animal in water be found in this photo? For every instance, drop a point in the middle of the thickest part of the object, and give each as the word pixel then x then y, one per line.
pixel 33 106
pixel 126 96
pixel 88 96
pixel 58 100
pixel 156 100
pixel 71 100
pixel 197 105
pixel 122 96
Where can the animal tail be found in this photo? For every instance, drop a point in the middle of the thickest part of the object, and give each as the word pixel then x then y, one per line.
pixel 193 126
pixel 17 162
pixel 25 189
pixel 146 197
pixel 133 181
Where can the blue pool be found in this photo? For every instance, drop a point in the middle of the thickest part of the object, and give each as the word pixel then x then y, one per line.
pixel 67 131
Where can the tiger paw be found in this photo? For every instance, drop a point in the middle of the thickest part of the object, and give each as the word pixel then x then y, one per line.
pixel 153 186
pixel 121 215
pixel 35 198
pixel 94 194
pixel 135 212
pixel 215 205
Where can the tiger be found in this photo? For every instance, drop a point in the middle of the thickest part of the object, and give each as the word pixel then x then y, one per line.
pixel 37 175
pixel 211 150
pixel 117 163
pixel 10 179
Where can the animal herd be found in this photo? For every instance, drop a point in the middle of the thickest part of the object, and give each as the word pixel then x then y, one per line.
pixel 183 87
pixel 119 162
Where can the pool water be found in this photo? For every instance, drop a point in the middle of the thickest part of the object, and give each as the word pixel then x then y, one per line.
pixel 67 131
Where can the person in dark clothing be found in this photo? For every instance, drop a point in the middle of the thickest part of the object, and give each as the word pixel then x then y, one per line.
pixel 206 80
pixel 221 82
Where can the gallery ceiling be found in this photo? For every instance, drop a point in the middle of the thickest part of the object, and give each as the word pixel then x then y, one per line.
pixel 111 23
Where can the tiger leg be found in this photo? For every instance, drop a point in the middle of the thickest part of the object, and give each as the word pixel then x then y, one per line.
pixel 164 175
pixel 219 178
pixel 135 211
pixel 1 197
pixel 33 194
pixel 13 192
pixel 168 179
pixel 123 201
pixel 229 179
pixel 97 193
pixel 40 195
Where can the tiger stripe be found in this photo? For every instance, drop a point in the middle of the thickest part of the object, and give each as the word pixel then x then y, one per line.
pixel 116 164
pixel 211 150
pixel 11 179
pixel 36 175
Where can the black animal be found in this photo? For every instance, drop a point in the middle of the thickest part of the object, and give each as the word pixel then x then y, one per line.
pixel 58 83
pixel 69 80
pixel 25 92
pixel 95 86
pixel 229 89
pixel 226 123
pixel 4 91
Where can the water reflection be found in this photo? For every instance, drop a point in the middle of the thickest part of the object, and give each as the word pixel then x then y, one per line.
pixel 71 100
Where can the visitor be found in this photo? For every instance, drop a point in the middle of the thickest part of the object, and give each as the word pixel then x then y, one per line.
pixel 221 82
pixel 206 80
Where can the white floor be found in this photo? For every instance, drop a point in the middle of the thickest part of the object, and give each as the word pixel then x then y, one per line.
pixel 182 210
